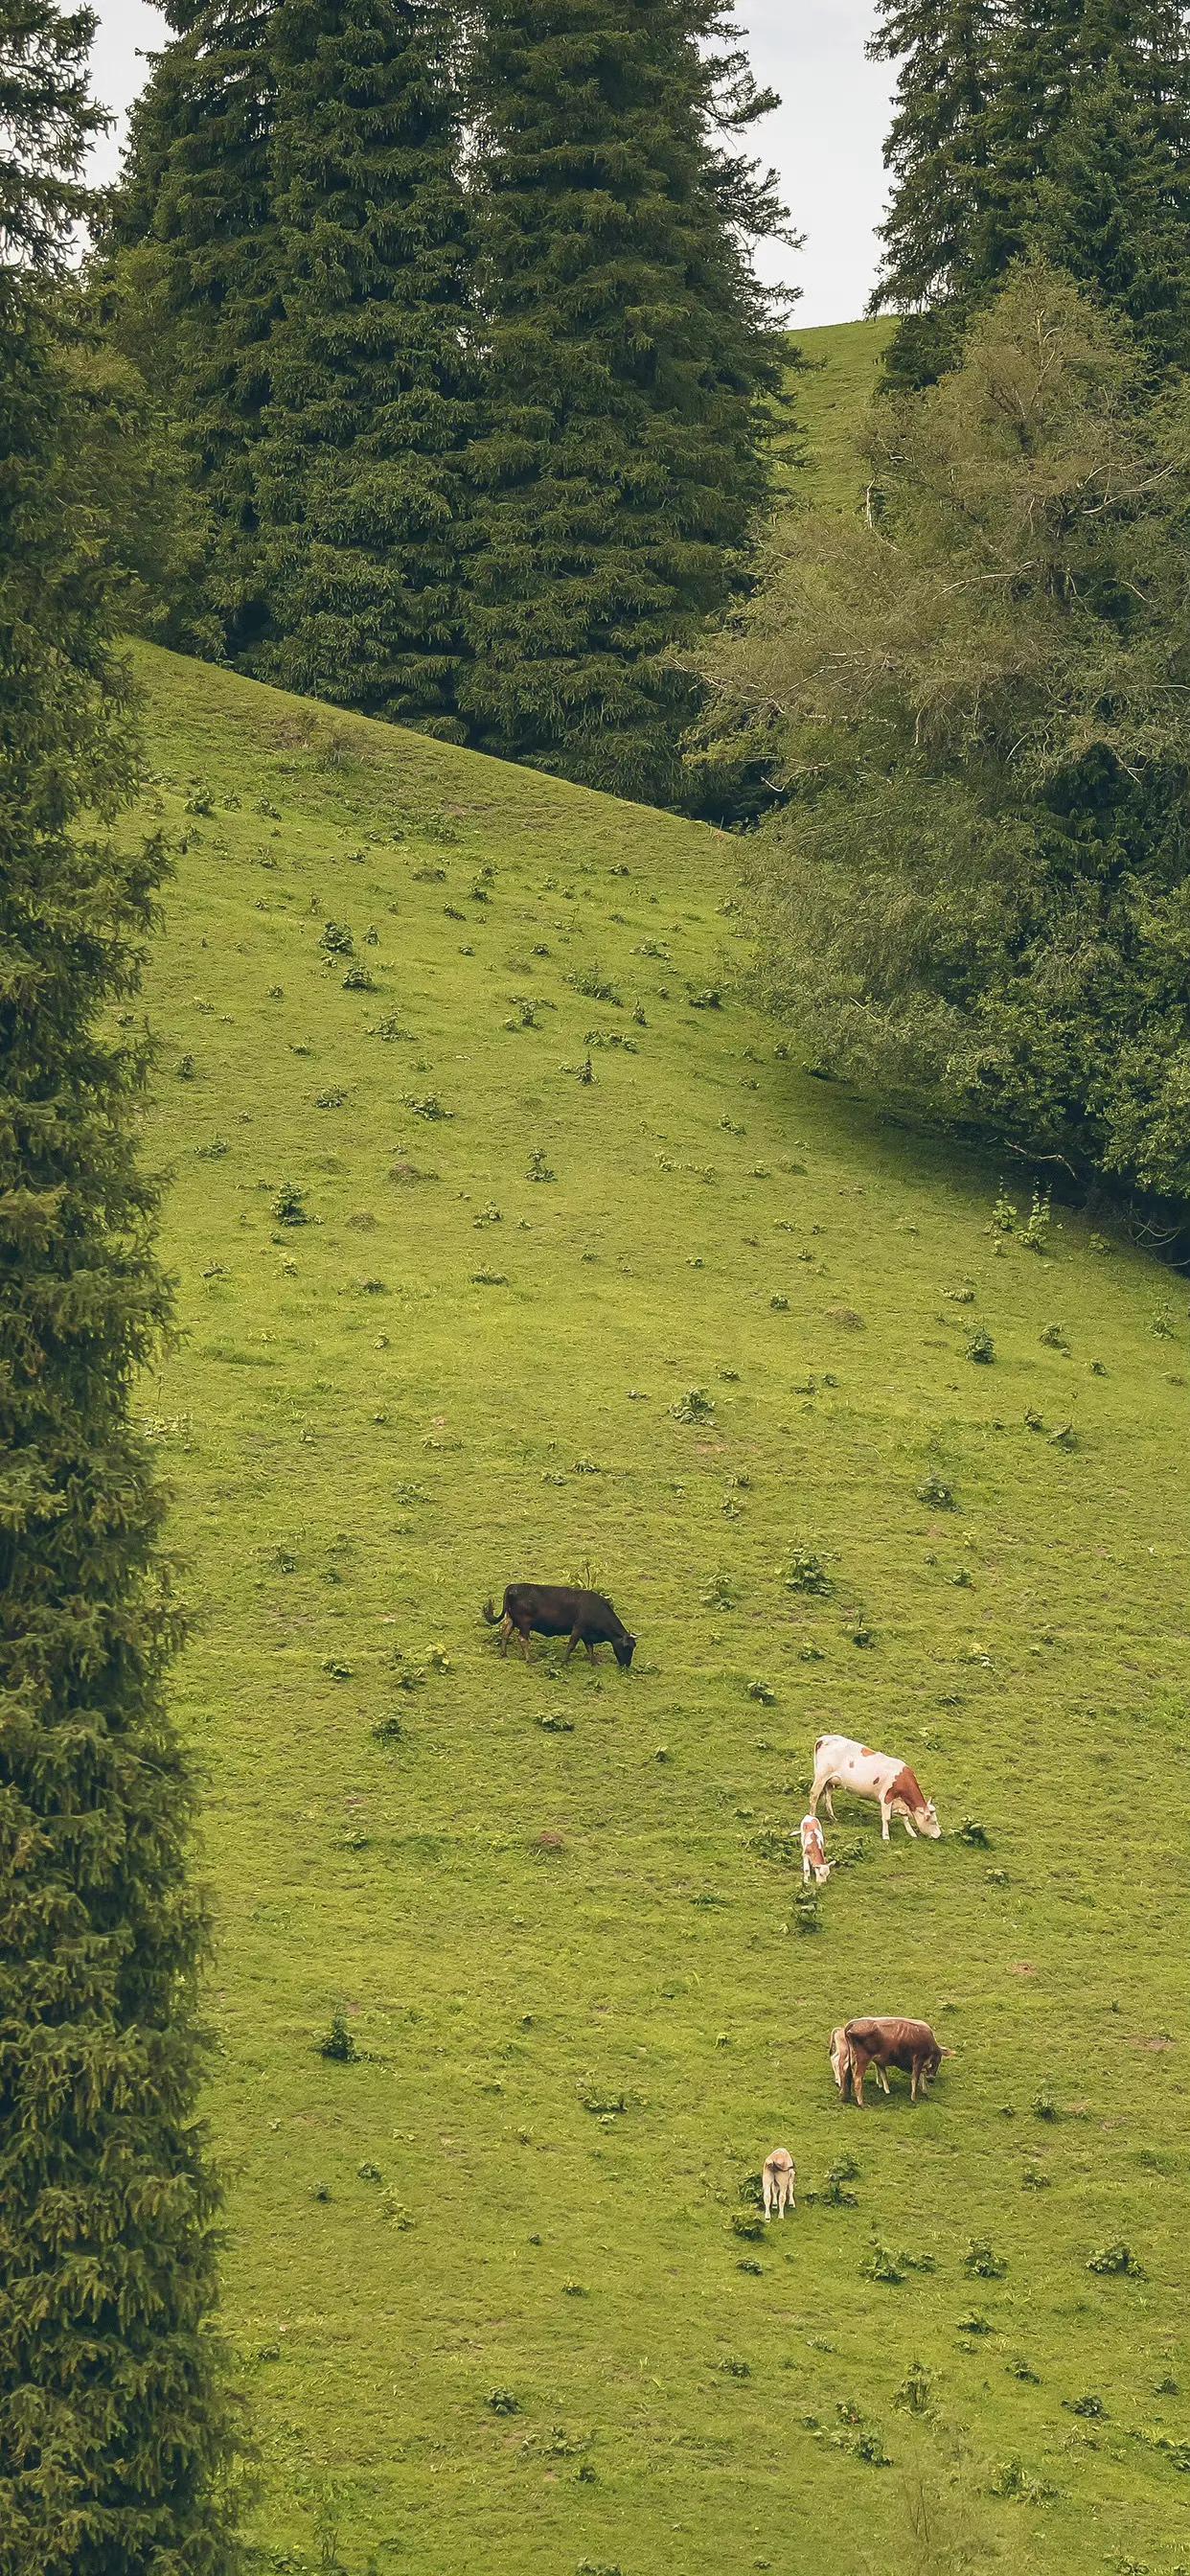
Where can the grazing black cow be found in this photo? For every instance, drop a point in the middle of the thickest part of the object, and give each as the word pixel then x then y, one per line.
pixel 560 1610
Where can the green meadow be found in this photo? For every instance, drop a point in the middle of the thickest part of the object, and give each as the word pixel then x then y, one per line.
pixel 509 1241
pixel 832 390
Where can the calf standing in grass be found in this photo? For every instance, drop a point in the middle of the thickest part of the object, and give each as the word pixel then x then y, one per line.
pixel 778 2183
pixel 814 1859
pixel 841 1764
pixel 560 1610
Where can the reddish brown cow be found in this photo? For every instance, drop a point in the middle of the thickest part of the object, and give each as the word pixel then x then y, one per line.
pixel 909 2045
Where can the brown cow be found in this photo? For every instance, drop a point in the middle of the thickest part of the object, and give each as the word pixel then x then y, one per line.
pixel 879 2044
pixel 560 1610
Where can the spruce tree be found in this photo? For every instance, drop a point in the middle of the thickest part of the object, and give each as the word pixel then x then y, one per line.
pixel 359 471
pixel 1052 128
pixel 1094 155
pixel 196 209
pixel 942 233
pixel 629 365
pixel 113 2430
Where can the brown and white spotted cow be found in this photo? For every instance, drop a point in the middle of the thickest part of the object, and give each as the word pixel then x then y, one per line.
pixel 841 1764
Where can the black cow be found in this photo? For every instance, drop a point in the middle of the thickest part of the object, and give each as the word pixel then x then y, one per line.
pixel 560 1610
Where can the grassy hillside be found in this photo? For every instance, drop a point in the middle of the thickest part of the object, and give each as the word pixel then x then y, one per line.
pixel 831 396
pixel 684 1324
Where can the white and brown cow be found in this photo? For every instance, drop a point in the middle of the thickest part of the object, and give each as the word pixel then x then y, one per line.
pixel 814 1860
pixel 841 1764
pixel 778 2183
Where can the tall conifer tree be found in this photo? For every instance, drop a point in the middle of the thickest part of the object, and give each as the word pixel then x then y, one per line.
pixel 943 230
pixel 197 208
pixel 113 2433
pixel 628 363
pixel 360 468
pixel 1051 127
pixel 1093 151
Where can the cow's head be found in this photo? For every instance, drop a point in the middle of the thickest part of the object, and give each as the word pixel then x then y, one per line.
pixel 624 1649
pixel 841 2059
pixel 927 1822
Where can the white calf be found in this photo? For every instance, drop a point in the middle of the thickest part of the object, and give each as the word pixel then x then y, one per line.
pixel 814 1859
pixel 778 2182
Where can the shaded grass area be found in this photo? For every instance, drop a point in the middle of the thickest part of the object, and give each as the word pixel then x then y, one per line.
pixel 485 2274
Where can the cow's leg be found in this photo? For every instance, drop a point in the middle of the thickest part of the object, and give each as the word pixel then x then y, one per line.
pixel 571 1643
pixel 525 1636
pixel 505 1633
pixel 859 2068
pixel 882 2078
pixel 590 1650
pixel 885 1814
pixel 805 1869
pixel 911 1830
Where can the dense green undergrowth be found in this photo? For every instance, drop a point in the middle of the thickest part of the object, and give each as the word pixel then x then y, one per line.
pixel 507 1246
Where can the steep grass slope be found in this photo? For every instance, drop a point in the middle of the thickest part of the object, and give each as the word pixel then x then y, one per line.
pixel 831 394
pixel 686 1324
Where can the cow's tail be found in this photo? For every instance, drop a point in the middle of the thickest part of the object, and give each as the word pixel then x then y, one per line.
pixel 490 1612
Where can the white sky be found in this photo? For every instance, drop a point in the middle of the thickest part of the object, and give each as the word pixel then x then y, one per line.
pixel 826 139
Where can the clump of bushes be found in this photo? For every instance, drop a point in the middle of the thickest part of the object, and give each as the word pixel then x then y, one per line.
pixel 937 1494
pixel 289 1205
pixel 981 1349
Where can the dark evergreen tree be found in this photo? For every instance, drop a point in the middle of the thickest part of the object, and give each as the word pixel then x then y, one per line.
pixel 942 233
pixel 629 367
pixel 1094 153
pixel 360 470
pixel 1058 128
pixel 196 213
pixel 113 2430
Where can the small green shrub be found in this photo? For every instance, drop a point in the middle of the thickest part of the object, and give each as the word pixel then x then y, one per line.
pixel 1115 2260
pixel 980 1347
pixel 502 2401
pixel 937 1494
pixel 336 939
pixel 358 980
pixel 1036 1236
pixel 694 1406
pixel 982 2261
pixel 807 1573
pixel 289 1205
pixel 339 2043
pixel 539 1169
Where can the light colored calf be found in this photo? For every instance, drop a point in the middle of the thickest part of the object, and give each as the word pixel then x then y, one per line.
pixel 843 2063
pixel 814 1859
pixel 778 2183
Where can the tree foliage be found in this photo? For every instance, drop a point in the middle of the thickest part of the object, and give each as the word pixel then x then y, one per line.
pixel 113 2429
pixel 459 318
pixel 1056 128
pixel 194 220
pixel 630 361
pixel 978 893
pixel 359 473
